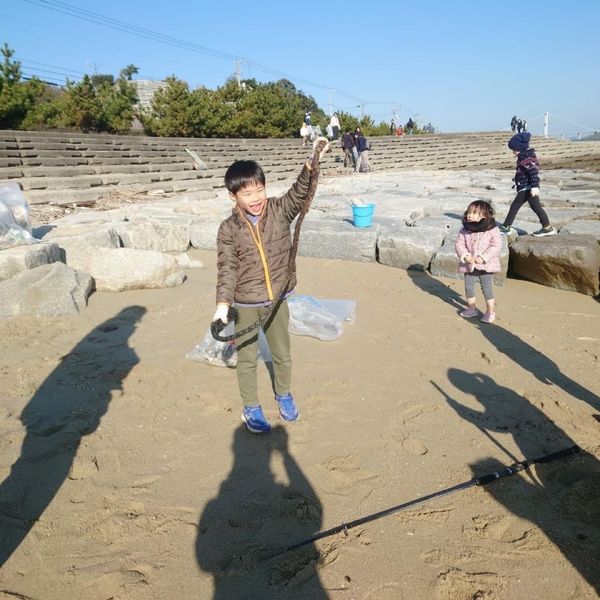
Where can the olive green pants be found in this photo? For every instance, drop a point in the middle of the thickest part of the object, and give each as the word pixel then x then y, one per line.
pixel 278 337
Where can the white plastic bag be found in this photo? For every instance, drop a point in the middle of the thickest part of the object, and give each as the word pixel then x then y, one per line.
pixel 224 354
pixel 221 354
pixel 15 227
pixel 322 319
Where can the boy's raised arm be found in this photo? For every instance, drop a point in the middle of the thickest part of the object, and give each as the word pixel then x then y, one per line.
pixel 293 201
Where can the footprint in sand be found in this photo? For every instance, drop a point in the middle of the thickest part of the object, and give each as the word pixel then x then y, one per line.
pixel 166 436
pixel 348 467
pixel 385 591
pixel 435 556
pixel 455 583
pixel 83 467
pixel 414 446
pixel 339 473
pixel 412 413
pixel 435 516
pixel 518 535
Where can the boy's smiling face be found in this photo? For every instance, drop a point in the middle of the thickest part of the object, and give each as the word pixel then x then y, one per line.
pixel 251 198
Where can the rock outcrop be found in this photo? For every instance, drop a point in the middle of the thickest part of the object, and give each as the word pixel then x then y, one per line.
pixel 566 262
pixel 50 290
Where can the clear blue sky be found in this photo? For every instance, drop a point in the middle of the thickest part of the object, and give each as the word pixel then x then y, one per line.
pixel 462 65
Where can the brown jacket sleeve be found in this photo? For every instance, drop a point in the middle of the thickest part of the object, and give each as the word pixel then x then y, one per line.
pixel 293 200
pixel 227 264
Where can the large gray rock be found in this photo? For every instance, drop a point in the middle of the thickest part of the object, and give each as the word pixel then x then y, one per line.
pixel 203 234
pixel 49 290
pixel 88 217
pixel 151 235
pixel 338 239
pixel 445 262
pixel 582 227
pixel 119 269
pixel 449 225
pixel 98 234
pixel 78 243
pixel 23 258
pixel 567 262
pixel 409 247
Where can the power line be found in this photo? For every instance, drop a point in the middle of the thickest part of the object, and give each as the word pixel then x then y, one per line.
pixel 87 15
pixel 49 80
pixel 38 69
pixel 63 70
pixel 93 17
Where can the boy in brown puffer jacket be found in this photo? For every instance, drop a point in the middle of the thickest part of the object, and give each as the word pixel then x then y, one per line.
pixel 253 248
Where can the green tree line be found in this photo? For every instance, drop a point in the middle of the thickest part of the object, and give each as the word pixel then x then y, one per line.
pixel 103 103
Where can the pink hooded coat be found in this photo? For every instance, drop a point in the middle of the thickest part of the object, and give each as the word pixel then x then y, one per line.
pixel 486 244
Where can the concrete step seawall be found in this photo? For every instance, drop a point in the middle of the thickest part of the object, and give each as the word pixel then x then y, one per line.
pixel 66 167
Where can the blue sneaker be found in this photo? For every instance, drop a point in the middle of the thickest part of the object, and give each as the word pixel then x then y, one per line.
pixel 287 407
pixel 255 420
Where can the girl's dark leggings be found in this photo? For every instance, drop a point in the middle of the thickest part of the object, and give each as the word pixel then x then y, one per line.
pixel 486 280
pixel 534 202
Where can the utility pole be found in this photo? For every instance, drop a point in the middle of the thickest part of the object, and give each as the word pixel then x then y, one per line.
pixel 331 92
pixel 238 70
pixel 546 124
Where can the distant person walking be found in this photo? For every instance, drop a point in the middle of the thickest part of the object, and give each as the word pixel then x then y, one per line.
pixel 348 148
pixel 307 118
pixel 524 125
pixel 304 133
pixel 357 133
pixel 335 126
pixel 392 127
pixel 363 146
pixel 410 126
pixel 519 125
pixel 527 182
pixel 513 123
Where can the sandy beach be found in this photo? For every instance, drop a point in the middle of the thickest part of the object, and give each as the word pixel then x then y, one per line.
pixel 127 473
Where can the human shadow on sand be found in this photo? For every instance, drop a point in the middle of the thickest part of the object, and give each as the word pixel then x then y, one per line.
pixel 252 517
pixel 68 405
pixel 519 351
pixel 561 498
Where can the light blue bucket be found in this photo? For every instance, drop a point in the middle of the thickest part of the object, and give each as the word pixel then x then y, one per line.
pixel 363 215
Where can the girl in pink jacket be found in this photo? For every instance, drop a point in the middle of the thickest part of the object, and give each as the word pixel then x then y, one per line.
pixel 478 248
